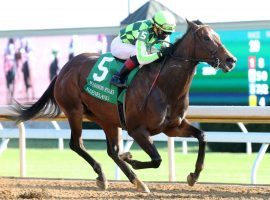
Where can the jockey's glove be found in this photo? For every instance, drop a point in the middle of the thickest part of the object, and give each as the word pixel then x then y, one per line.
pixel 164 52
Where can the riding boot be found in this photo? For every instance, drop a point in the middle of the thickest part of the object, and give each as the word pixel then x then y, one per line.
pixel 119 78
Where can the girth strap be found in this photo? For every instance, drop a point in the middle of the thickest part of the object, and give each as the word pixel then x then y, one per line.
pixel 121 111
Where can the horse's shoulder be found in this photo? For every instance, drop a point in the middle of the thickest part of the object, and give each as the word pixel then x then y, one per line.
pixel 144 78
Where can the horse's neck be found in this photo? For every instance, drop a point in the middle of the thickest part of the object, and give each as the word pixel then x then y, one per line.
pixel 177 75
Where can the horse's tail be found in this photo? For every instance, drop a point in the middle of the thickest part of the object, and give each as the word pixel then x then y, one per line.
pixel 46 106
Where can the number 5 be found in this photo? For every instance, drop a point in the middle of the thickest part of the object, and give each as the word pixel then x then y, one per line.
pixel 143 35
pixel 103 69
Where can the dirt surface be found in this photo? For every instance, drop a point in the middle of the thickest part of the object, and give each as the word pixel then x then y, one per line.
pixel 16 188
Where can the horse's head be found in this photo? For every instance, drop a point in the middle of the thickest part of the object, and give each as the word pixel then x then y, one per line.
pixel 208 47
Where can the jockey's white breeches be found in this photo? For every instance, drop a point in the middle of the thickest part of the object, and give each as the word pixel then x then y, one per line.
pixel 122 50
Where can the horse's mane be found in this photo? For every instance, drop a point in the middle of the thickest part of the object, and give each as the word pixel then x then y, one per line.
pixel 178 41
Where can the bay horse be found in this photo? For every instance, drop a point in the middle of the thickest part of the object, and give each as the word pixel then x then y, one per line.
pixel 164 109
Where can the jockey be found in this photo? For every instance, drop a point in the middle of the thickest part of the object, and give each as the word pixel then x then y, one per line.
pixel 133 42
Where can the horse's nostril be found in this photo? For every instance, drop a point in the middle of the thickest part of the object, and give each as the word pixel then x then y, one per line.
pixel 231 60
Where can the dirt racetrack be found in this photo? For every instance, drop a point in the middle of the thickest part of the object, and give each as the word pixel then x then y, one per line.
pixel 16 188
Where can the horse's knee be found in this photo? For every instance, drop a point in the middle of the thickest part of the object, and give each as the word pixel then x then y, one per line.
pixel 113 150
pixel 75 146
pixel 201 137
pixel 112 154
pixel 156 163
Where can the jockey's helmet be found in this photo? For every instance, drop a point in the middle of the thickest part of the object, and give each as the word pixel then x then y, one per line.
pixel 165 21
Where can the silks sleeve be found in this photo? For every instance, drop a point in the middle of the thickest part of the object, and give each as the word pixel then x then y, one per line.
pixel 142 54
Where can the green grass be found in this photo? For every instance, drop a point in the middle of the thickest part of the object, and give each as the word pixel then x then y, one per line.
pixel 53 163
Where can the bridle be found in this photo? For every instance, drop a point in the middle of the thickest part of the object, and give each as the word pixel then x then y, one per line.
pixel 197 40
pixel 214 59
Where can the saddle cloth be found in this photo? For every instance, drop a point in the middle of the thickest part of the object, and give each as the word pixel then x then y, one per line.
pixel 98 81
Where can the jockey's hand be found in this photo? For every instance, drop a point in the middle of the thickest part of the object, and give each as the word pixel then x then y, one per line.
pixel 164 52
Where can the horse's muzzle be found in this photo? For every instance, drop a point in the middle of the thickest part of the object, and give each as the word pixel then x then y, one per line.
pixel 229 64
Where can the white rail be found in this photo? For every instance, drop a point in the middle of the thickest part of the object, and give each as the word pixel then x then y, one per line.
pixel 223 114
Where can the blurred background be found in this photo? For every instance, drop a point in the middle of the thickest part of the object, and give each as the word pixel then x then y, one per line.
pixel 38 37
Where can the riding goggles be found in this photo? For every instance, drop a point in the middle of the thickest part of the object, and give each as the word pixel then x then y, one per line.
pixel 166 27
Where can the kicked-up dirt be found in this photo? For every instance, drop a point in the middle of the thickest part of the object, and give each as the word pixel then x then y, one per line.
pixel 27 188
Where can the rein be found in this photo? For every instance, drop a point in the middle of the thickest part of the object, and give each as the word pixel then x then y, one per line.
pixel 154 83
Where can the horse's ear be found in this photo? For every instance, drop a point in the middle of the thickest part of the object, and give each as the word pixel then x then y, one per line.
pixel 187 21
pixel 191 24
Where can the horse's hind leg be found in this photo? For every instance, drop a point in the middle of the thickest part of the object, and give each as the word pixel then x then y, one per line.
pixel 187 130
pixel 76 144
pixel 113 137
pixel 142 137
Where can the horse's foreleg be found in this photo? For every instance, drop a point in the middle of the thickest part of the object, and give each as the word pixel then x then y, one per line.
pixel 142 137
pixel 76 144
pixel 187 130
pixel 113 139
pixel 193 177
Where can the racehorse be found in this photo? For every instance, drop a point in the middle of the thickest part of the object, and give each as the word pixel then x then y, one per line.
pixel 156 101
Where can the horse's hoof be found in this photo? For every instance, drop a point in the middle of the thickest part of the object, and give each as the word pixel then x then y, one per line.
pixel 126 155
pixel 102 184
pixel 140 186
pixel 191 180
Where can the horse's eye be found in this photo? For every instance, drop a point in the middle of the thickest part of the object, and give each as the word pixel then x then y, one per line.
pixel 206 38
